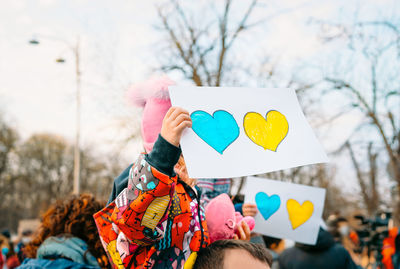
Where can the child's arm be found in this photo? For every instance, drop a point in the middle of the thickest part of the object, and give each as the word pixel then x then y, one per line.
pixel 143 205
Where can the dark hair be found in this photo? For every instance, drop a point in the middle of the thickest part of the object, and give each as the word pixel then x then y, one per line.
pixel 6 233
pixel 72 216
pixel 269 241
pixel 213 255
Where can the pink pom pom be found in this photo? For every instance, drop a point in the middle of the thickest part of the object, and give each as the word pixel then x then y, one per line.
pixel 155 87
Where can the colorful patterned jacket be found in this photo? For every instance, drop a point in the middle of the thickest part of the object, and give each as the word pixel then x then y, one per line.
pixel 155 221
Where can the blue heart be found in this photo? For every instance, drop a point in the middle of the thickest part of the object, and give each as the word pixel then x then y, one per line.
pixel 267 205
pixel 218 130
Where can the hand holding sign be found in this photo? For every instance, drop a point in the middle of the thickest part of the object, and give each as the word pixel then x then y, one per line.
pixel 175 121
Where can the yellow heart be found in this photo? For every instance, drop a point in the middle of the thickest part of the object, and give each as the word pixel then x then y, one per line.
pixel 299 214
pixel 266 132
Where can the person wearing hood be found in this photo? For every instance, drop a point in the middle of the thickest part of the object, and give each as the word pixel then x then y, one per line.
pixel 67 237
pixel 326 254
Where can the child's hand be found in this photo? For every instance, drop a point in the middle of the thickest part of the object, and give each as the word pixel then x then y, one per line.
pixel 243 231
pixel 175 121
pixel 249 210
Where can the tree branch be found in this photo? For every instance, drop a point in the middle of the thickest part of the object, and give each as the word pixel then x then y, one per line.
pixel 360 177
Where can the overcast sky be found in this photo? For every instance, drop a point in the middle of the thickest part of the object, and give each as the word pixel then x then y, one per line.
pixel 118 41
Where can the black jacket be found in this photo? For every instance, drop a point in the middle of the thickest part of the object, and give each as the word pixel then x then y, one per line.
pixel 326 254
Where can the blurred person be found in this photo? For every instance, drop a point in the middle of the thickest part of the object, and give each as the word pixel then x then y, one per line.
pixel 332 226
pixel 275 246
pixel 12 260
pixel 390 248
pixel 231 254
pixel 6 233
pixel 25 239
pixel 396 255
pixel 9 258
pixel 343 227
pixel 326 254
pixel 2 242
pixel 67 236
pixel 212 187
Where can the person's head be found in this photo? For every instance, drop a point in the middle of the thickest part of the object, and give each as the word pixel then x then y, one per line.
pixel 26 236
pixel 275 244
pixel 181 170
pixel 343 226
pixel 71 217
pixel 153 96
pixel 232 254
pixel 6 233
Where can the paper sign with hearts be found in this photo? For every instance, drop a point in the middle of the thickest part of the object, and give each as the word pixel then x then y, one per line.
pixel 295 213
pixel 244 131
pixel 218 130
pixel 267 205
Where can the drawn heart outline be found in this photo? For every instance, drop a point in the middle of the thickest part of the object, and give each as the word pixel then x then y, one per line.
pixel 266 132
pixel 267 205
pixel 218 130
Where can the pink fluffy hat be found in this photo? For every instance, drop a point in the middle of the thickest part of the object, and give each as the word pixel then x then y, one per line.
pixel 153 96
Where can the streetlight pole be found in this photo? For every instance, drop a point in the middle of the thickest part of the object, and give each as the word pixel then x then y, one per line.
pixel 77 155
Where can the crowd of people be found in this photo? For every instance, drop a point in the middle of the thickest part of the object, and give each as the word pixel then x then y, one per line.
pixel 159 217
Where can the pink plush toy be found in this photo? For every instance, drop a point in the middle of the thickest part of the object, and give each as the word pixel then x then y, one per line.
pixel 222 220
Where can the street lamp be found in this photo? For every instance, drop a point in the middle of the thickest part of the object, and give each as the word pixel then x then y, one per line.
pixel 76 51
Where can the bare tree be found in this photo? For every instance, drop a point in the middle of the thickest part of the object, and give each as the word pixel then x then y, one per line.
pixel 39 171
pixel 198 51
pixel 372 88
pixel 367 180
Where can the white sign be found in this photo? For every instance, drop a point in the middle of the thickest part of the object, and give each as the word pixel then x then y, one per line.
pixel 244 131
pixel 286 210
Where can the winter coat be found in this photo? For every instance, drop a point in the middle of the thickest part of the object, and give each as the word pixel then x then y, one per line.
pixel 156 220
pixel 61 253
pixel 326 254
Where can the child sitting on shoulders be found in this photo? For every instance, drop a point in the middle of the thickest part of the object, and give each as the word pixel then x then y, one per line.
pixel 155 219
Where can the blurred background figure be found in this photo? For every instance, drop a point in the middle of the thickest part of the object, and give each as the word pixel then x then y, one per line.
pixel 67 236
pixel 275 246
pixel 8 257
pixel 326 254
pixel 25 239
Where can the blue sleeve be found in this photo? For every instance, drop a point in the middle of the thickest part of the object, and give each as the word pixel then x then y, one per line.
pixel 163 157
pixel 238 208
pixel 120 183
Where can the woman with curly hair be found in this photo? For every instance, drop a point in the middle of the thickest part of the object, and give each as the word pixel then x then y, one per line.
pixel 67 236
